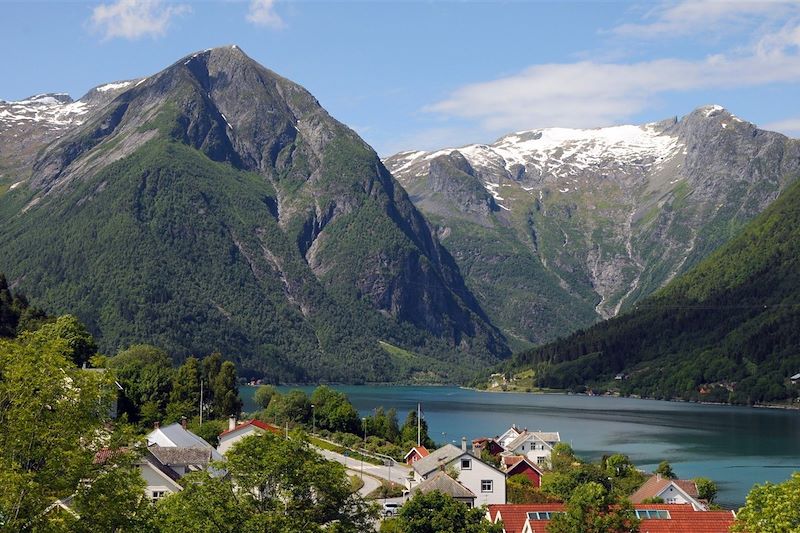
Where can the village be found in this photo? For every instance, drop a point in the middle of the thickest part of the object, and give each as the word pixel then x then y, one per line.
pixel 480 474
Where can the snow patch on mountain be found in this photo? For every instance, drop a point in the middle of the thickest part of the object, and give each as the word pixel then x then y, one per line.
pixel 56 110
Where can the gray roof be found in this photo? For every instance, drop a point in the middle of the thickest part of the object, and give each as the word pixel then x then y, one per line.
pixel 443 455
pixel 444 484
pixel 179 437
pixel 165 469
pixel 541 436
pixel 200 456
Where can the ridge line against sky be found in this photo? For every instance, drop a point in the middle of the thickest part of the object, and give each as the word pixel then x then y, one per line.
pixel 423 75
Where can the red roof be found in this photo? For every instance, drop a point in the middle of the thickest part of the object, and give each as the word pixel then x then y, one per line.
pixel 103 455
pixel 254 422
pixel 422 451
pixel 682 518
pixel 511 462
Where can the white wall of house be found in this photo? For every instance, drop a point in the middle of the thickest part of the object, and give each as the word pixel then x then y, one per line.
pixel 156 481
pixel 487 483
pixel 670 494
pixel 227 441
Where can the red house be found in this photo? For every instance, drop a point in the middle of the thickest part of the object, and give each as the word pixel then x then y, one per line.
pixel 519 464
pixel 478 445
pixel 415 454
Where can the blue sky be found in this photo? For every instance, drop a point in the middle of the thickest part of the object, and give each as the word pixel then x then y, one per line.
pixel 422 75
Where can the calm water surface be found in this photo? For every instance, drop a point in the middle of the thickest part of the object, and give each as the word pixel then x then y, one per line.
pixel 735 446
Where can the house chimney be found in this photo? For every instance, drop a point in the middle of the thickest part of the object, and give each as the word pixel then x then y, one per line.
pixel 156 425
pixel 183 422
pixel 463 444
pixel 231 422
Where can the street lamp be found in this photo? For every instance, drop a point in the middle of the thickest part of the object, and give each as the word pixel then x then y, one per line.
pixel 313 420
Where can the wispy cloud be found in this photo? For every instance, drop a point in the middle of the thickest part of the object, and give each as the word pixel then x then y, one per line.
pixel 789 126
pixel 672 19
pixel 596 93
pixel 262 13
pixel 133 19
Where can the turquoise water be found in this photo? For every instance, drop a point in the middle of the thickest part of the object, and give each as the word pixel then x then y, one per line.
pixel 735 446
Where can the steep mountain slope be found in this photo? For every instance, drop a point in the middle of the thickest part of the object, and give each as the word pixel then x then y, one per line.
pixel 216 205
pixel 556 228
pixel 727 330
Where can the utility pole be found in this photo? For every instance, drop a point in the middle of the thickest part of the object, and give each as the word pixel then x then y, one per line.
pixel 419 424
pixel 364 420
pixel 313 419
pixel 201 402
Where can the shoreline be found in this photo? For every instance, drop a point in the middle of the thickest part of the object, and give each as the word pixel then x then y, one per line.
pixel 673 400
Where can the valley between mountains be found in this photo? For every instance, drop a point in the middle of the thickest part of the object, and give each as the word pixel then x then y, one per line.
pixel 217 206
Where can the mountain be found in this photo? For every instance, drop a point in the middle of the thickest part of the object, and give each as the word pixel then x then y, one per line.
pixel 218 206
pixel 557 228
pixel 728 330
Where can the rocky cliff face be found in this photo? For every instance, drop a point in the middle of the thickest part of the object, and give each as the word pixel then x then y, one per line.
pixel 235 165
pixel 597 219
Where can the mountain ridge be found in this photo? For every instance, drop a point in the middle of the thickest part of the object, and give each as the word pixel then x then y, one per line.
pixel 595 219
pixel 330 247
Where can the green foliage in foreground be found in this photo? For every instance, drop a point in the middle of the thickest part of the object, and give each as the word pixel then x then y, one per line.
pixel 726 331
pixel 591 509
pixel 435 512
pixel 771 508
pixel 274 484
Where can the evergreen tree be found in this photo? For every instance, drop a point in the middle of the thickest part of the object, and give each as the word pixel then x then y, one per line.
pixel 408 433
pixel 211 366
pixel 226 392
pixel 184 399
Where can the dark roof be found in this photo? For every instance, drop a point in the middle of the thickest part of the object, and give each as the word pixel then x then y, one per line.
pixel 181 456
pixel 165 469
pixel 444 484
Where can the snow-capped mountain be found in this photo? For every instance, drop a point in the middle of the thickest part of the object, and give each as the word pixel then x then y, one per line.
pixel 594 219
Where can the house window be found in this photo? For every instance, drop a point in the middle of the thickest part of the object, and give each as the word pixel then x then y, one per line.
pixel 540 460
pixel 157 495
pixel 487 485
pixel 466 464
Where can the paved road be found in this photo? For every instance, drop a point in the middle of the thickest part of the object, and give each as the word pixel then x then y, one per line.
pixel 399 473
pixel 370 483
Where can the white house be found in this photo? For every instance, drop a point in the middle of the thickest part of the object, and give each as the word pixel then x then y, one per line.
pixel 535 445
pixel 486 482
pixel 670 491
pixel 237 432
pixel 160 479
pixel 510 434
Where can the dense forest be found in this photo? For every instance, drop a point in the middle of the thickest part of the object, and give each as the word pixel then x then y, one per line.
pixel 727 331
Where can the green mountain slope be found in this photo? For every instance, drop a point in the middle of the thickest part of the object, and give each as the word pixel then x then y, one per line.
pixel 217 206
pixel 728 330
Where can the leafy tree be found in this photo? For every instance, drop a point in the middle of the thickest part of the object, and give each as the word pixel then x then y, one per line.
pixel 664 469
pixel 408 433
pixel 706 489
pixel 563 457
pixel 520 489
pixel 434 512
pixel 207 504
pixel 561 484
pixel 211 367
pixel 264 395
pixel 294 406
pixel 226 392
pixel 52 417
pixel 114 500
pixel 145 373
pixel 184 399
pixel 771 508
pixel 592 509
pixel 333 411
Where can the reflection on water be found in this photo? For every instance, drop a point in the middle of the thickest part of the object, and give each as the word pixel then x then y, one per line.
pixel 736 446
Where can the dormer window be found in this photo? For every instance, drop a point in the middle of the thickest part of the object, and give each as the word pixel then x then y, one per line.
pixel 466 464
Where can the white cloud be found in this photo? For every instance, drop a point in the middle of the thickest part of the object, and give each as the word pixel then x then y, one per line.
pixel 132 19
pixel 789 126
pixel 262 13
pixel 588 94
pixel 670 19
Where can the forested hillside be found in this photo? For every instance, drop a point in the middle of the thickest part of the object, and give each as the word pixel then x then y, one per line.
pixel 728 330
